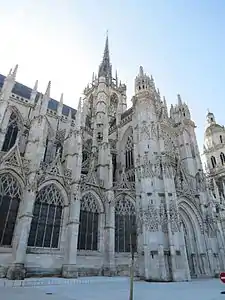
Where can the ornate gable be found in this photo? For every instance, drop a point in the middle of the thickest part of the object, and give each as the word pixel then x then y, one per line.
pixel 13 159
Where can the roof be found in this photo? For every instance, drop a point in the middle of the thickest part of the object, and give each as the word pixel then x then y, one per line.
pixel 25 92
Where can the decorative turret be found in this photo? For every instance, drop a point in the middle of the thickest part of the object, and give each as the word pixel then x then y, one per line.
pixel 143 82
pixel 8 85
pixel 210 118
pixel 180 111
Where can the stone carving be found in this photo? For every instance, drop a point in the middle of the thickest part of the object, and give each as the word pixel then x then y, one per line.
pixel 163 217
pixel 60 135
pixel 174 217
pixel 150 217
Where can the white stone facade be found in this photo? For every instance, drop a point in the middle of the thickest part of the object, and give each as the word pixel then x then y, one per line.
pixel 78 188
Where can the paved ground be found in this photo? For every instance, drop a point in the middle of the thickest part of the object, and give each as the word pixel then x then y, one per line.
pixel 100 288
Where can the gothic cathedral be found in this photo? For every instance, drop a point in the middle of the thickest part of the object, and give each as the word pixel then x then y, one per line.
pixel 79 188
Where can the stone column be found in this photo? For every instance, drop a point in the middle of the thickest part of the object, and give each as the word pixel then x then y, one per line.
pixel 184 255
pixel 109 238
pixel 162 265
pixel 69 269
pixel 17 269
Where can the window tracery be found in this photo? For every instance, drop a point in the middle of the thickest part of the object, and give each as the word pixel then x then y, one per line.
pixel 129 158
pixel 10 196
pixel 89 219
pixel 47 218
pixel 125 225
pixel 11 132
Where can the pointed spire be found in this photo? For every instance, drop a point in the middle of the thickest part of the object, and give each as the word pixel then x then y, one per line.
pixel 33 94
pixel 164 101
pixel 37 108
pixel 141 71
pixel 15 71
pixel 10 72
pixel 60 106
pixel 105 69
pixel 61 99
pixel 45 100
pixel 78 116
pixel 179 99
pixel 35 86
pixel 47 93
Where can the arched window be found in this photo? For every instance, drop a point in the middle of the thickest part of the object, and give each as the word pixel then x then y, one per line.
pixel 221 139
pixel 222 157
pixel 47 218
pixel 88 229
pixel 129 159
pixel 11 133
pixel 213 161
pixel 10 196
pixel 125 225
pixel 129 153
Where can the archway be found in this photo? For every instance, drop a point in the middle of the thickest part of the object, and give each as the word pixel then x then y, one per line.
pixel 191 221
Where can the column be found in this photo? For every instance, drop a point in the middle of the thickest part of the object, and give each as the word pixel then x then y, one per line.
pixel 69 269
pixel 17 270
pixel 109 249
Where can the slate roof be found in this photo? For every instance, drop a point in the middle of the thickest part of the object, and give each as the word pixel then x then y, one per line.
pixel 25 92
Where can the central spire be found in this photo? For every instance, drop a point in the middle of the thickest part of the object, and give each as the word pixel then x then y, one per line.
pixel 105 68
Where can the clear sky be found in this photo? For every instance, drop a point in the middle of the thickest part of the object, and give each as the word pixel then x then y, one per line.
pixel 180 42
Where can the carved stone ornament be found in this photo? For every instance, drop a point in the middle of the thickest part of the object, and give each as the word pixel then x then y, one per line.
pixel 174 217
pixel 150 218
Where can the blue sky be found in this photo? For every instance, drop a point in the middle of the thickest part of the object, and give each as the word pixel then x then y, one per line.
pixel 181 43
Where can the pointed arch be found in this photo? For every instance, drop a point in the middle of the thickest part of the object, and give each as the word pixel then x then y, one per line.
pixel 10 198
pixel 91 207
pixel 193 224
pixel 14 128
pixel 128 150
pixel 125 224
pixel 47 216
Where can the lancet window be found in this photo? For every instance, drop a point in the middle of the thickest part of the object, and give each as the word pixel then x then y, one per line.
pixel 10 197
pixel 89 222
pixel 222 158
pixel 11 132
pixel 47 218
pixel 213 161
pixel 125 225
pixel 129 153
